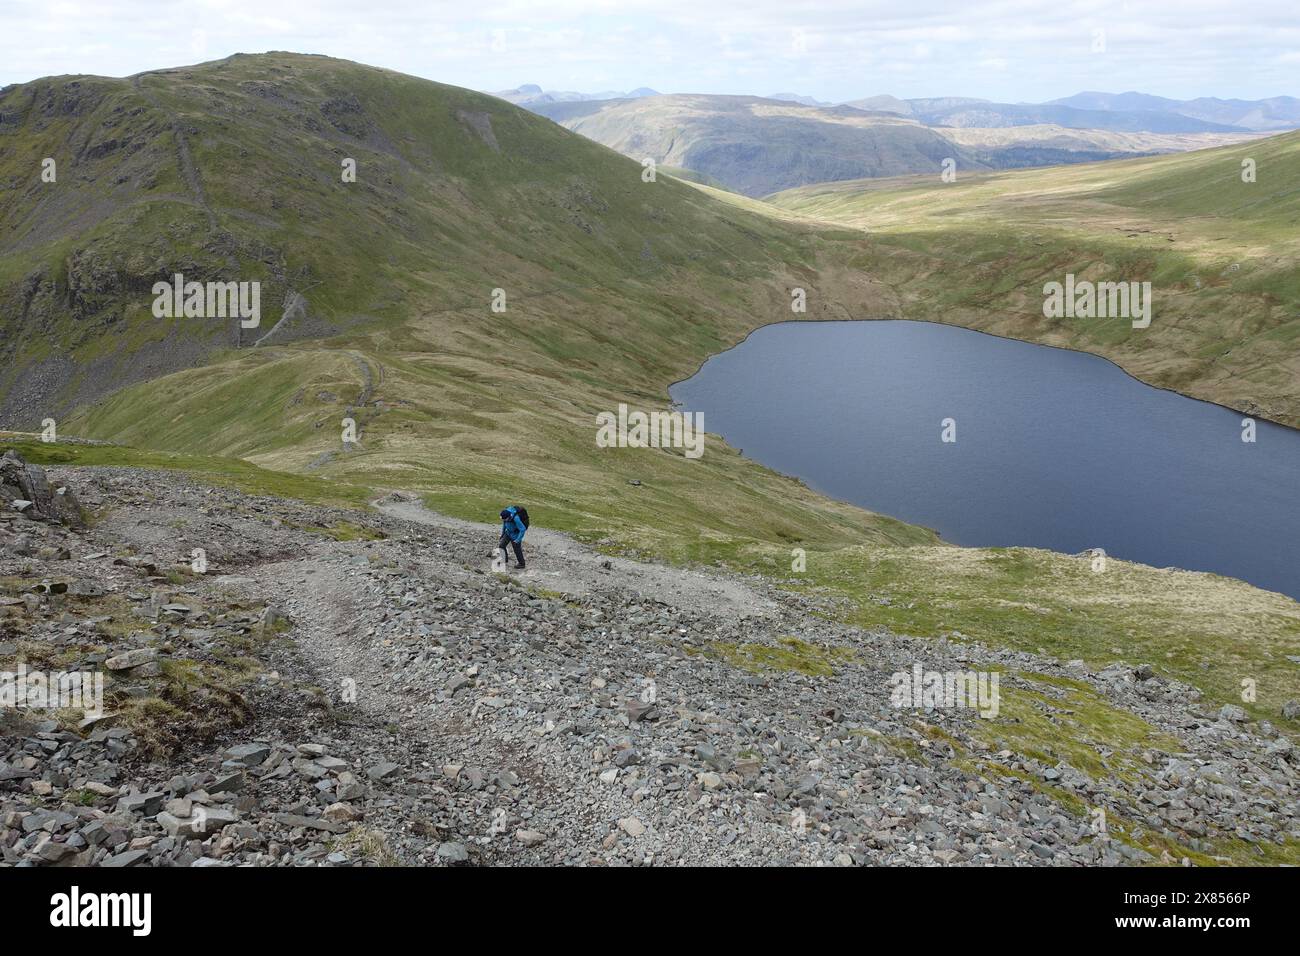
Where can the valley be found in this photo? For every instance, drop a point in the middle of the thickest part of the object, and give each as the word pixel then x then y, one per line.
pixel 338 469
pixel 1219 249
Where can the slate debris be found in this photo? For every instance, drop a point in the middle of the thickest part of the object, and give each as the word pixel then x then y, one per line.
pixel 399 703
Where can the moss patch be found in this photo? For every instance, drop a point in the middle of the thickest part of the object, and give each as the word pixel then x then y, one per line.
pixel 789 654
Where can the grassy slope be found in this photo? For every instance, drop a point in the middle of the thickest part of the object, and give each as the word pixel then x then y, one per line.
pixel 615 288
pixel 1221 255
pixel 233 472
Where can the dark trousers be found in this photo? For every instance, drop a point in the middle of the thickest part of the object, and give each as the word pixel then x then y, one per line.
pixel 519 549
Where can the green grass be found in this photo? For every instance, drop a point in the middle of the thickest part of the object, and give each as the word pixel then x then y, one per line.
pixel 1208 631
pixel 231 472
pixel 616 288
pixel 1055 721
pixel 789 654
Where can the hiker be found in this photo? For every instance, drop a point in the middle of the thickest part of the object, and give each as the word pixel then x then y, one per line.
pixel 514 522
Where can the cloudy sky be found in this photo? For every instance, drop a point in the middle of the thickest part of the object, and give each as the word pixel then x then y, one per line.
pixel 1012 50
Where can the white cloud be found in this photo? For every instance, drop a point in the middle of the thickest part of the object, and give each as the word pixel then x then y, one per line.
pixel 833 49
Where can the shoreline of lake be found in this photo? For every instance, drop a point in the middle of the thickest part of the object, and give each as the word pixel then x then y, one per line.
pixel 1006 338
pixel 1028 485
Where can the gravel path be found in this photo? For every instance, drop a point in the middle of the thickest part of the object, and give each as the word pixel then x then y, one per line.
pixel 556 562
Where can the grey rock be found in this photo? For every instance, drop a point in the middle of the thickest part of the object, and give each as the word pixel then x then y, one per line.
pixel 144 803
pixel 133 658
pixel 250 755
pixel 453 853
pixel 126 858
pixel 1233 713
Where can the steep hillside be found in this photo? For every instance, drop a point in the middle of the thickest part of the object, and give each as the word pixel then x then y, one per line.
pixel 613 287
pixel 232 170
pixel 1221 254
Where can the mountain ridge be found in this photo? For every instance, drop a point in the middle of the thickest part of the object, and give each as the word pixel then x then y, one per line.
pixel 611 286
pixel 757 145
pixel 1275 113
pixel 404 404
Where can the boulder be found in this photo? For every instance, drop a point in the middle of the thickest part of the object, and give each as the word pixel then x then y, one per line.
pixel 24 488
pixel 530 837
pixel 129 659
pixel 453 853
pixel 248 755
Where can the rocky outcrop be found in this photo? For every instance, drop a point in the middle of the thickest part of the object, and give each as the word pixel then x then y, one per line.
pixel 25 489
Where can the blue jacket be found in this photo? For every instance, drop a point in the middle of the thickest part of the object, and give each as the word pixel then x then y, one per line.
pixel 512 527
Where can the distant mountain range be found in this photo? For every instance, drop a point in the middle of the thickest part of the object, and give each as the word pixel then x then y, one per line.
pixel 961 112
pixel 531 93
pixel 1274 113
pixel 914 107
pixel 1120 112
pixel 756 146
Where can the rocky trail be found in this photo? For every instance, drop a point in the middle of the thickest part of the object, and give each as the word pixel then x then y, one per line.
pixel 557 562
pixel 353 688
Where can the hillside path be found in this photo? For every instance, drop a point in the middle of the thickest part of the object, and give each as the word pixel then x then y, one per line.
pixel 557 562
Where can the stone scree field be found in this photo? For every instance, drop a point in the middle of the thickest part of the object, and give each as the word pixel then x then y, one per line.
pixel 346 687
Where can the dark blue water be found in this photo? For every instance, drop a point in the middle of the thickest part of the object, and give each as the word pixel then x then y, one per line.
pixel 1055 449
